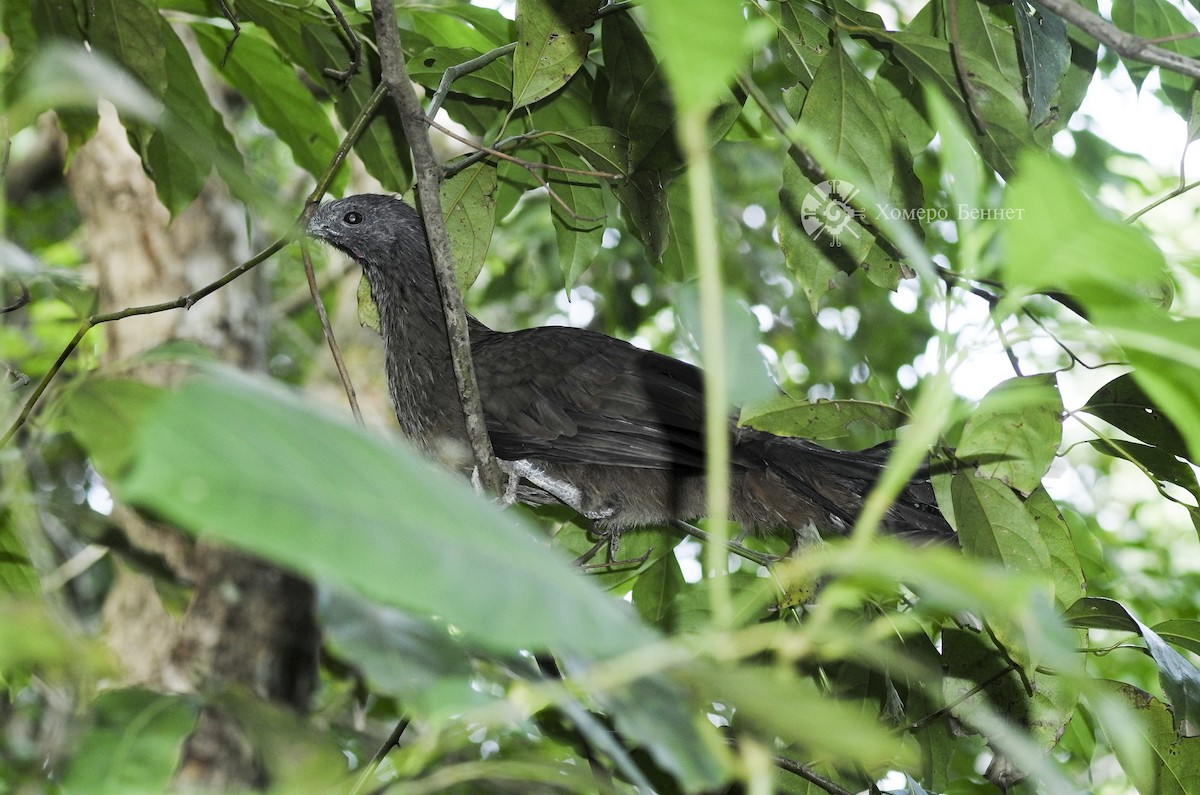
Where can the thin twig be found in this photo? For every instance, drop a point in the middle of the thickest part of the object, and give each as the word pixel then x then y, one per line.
pixel 732 546
pixel 970 93
pixel 428 174
pixel 1182 189
pixel 230 17
pixel 315 291
pixel 813 777
pixel 343 75
pixel 393 741
pixel 182 302
pixel 533 169
pixel 465 68
pixel 187 301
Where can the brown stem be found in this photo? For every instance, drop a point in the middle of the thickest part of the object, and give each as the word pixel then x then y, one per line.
pixel 428 175
pixel 315 290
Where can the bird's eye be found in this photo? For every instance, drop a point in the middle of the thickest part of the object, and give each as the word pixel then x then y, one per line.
pixel 353 218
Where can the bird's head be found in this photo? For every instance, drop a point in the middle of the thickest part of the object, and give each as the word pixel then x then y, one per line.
pixel 373 229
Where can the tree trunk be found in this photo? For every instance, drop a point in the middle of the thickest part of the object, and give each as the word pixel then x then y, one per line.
pixel 248 624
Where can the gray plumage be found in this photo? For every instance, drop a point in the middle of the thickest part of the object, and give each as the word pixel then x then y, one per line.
pixel 623 426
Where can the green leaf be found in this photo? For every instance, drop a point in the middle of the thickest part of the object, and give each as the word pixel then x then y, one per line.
pixel 103 414
pixel 771 703
pixel 1064 560
pixel 655 591
pixel 128 31
pixel 998 102
pixel 134 743
pixel 1179 678
pixel 285 105
pixel 314 43
pixel 493 81
pixel 552 43
pixel 842 109
pixel 1014 433
pixel 1175 763
pixel 469 204
pixel 603 148
pixel 1046 52
pixel 993 523
pixel 579 226
pixel 784 415
pixel 193 139
pixel 1164 24
pixel 1123 404
pixel 804 40
pixel 224 456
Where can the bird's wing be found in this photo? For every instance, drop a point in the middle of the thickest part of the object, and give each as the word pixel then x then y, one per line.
pixel 572 396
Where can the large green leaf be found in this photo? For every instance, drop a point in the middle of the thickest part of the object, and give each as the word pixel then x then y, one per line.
pixel 259 469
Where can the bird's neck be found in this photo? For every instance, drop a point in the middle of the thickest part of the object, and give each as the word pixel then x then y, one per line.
pixel 421 378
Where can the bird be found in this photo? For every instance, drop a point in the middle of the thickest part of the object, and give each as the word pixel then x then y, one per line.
pixel 579 417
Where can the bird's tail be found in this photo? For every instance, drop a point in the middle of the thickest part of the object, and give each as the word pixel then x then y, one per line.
pixel 837 483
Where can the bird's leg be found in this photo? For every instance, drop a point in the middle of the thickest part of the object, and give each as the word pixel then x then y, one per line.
pixel 570 495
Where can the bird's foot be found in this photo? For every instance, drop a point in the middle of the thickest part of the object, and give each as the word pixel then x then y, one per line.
pixel 611 538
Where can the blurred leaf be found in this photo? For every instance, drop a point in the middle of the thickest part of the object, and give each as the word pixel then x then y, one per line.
pixel 784 415
pixel 1064 242
pixel 469 204
pixel 1182 632
pixel 772 704
pixel 134 743
pixel 1123 404
pixel 223 456
pixel 128 31
pixel 398 654
pixel 1014 433
pixel 552 43
pixel 1179 678
pixel 703 45
pixel 104 414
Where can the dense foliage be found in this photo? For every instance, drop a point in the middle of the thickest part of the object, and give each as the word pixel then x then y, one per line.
pixel 873 222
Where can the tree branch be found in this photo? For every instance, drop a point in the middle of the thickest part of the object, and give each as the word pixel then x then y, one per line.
pixel 1122 42
pixel 428 175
